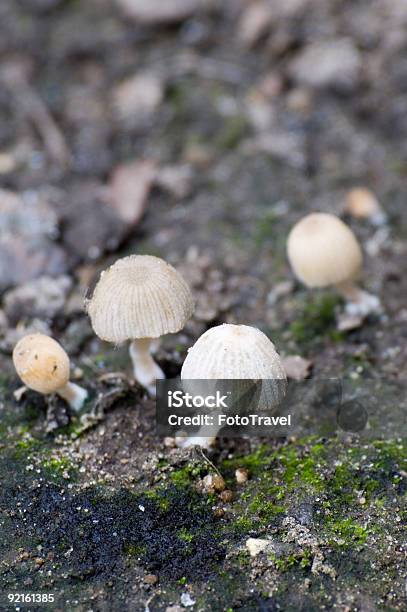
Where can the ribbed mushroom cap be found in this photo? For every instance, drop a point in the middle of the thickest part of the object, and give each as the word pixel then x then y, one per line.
pixel 236 352
pixel 323 251
pixel 139 296
pixel 41 363
pixel 233 352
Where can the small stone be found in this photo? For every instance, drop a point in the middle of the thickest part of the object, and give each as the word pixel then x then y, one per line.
pixel 137 98
pixel 226 496
pixel 241 475
pixel 170 442
pixel 333 63
pixel 278 291
pixel 177 180
pixel 150 579
pixel 257 545
pixel 254 23
pixel 187 600
pixel 43 297
pixel 214 483
pixel 157 12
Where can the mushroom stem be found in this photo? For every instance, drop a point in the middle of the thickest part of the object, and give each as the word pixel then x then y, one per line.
pixel 198 440
pixel 74 395
pixel 358 302
pixel 146 371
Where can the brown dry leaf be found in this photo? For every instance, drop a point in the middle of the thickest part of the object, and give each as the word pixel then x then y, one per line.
pixel 296 367
pixel 129 187
pixel 162 11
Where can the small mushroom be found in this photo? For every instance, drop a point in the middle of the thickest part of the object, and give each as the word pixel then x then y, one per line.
pixel 43 365
pixel 234 352
pixel 324 252
pixel 140 298
pixel 362 203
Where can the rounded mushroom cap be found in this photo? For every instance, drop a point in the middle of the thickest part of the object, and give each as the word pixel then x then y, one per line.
pixel 236 353
pixel 139 296
pixel 323 251
pixel 41 363
pixel 233 352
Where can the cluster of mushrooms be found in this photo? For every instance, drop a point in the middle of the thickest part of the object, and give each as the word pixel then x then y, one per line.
pixel 141 298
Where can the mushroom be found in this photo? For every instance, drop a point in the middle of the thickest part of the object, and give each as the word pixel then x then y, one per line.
pixel 324 252
pixel 43 365
pixel 234 352
pixel 140 298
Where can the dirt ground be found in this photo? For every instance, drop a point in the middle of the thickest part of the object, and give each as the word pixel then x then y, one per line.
pixel 200 133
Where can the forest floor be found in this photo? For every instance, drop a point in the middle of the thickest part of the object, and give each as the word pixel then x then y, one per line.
pixel 200 137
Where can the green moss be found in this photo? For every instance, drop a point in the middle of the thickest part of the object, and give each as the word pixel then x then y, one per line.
pixel 133 550
pixel 186 475
pixel 317 319
pixel 54 469
pixel 348 531
pixel 184 535
pixel 302 559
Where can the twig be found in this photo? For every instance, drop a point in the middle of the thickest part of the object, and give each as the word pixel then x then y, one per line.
pixel 33 107
pixel 208 461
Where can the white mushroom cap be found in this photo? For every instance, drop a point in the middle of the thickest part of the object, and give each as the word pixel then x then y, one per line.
pixel 323 251
pixel 236 352
pixel 139 296
pixel 41 363
pixel 233 352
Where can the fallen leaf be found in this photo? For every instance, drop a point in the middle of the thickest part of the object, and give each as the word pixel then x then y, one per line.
pixel 129 187
pixel 296 367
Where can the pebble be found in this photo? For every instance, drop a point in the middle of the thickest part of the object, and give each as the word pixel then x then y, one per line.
pixel 150 579
pixel 257 545
pixel 241 475
pixel 332 63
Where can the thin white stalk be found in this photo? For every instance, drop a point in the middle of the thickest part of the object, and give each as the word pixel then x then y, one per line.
pixel 146 371
pixel 74 395
pixel 358 302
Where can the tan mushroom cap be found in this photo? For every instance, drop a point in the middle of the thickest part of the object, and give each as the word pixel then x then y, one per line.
pixel 233 352
pixel 41 363
pixel 323 251
pixel 139 296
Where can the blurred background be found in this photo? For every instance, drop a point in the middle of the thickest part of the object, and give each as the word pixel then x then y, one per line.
pixel 200 131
